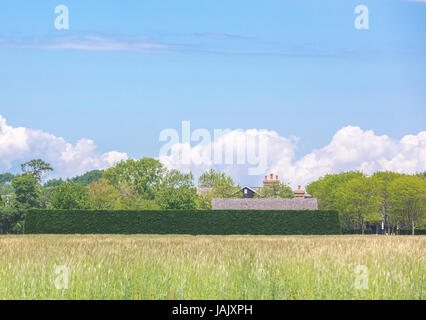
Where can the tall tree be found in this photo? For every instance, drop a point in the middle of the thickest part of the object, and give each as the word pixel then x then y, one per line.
pixel 408 200
pixel 213 178
pixel 220 186
pixel 70 195
pixel 27 192
pixel 358 201
pixel 177 191
pixel 383 180
pixel 144 176
pixel 103 196
pixel 37 168
pixel 324 189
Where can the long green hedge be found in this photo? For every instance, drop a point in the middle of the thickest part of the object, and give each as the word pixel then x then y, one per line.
pixel 220 222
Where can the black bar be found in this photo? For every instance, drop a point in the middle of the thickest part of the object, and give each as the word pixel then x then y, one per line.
pixel 209 309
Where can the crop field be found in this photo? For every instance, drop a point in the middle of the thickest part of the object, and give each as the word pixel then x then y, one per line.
pixel 212 267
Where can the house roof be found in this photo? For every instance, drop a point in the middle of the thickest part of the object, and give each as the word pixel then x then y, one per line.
pixel 201 190
pixel 264 204
pixel 250 188
pixel 253 189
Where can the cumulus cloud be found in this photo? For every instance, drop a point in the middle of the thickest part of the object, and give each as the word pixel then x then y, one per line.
pixel 238 153
pixel 245 155
pixel 18 144
pixel 355 149
pixel 351 148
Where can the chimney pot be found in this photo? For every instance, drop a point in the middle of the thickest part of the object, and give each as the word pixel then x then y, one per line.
pixel 299 187
pixel 272 176
pixel 276 177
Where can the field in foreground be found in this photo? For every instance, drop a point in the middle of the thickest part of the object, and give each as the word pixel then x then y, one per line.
pixel 212 267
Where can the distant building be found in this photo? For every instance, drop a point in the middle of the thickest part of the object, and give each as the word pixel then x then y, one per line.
pixel 301 200
pixel 271 180
pixel 248 192
pixel 299 193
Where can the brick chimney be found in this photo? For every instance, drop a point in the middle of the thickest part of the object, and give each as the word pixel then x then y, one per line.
pixel 299 193
pixel 268 181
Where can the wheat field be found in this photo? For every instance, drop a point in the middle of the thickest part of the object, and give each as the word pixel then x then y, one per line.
pixel 212 267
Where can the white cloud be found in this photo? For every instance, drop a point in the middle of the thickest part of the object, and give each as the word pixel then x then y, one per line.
pixel 239 152
pixel 354 149
pixel 351 148
pixel 18 144
pixel 87 42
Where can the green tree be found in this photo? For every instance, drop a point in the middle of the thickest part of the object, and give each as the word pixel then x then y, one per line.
pixel 222 185
pixel 27 192
pixel 213 179
pixel 103 196
pixel 88 177
pixel 218 185
pixel 53 183
pixel 383 180
pixel 177 191
pixel 422 175
pixel 6 177
pixel 45 196
pixel 6 189
pixel 70 195
pixel 131 200
pixel 358 201
pixel 144 176
pixel 11 220
pixel 324 189
pixel 408 201
pixel 277 190
pixel 37 168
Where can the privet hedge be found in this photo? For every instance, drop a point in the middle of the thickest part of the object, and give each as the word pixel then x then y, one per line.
pixel 220 222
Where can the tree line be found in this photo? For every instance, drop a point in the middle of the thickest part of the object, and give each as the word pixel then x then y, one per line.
pixel 391 200
pixel 145 184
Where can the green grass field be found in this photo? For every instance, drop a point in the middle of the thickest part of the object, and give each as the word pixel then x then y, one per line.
pixel 212 267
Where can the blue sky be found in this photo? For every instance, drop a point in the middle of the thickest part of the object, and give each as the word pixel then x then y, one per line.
pixel 124 71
